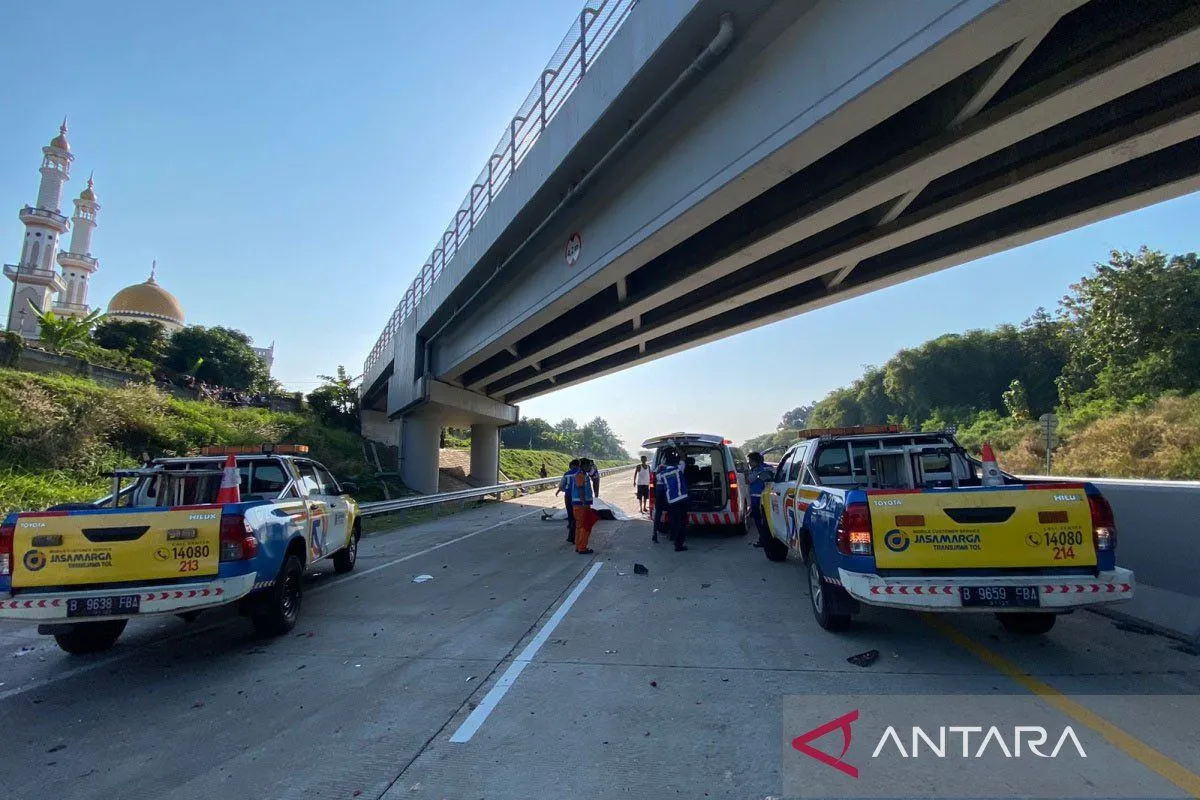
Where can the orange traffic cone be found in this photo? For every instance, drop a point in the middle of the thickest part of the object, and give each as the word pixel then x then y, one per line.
pixel 231 483
pixel 991 470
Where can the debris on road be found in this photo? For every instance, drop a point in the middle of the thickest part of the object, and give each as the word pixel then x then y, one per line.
pixel 24 651
pixel 705 585
pixel 609 652
pixel 198 704
pixel 471 678
pixel 864 659
pixel 639 569
pixel 422 578
pixel 654 684
pixel 56 748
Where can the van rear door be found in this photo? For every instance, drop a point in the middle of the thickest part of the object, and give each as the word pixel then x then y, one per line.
pixel 102 546
pixel 1009 527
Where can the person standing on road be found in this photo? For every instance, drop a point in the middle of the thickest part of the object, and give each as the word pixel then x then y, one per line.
pixel 594 474
pixel 542 471
pixel 564 488
pixel 641 484
pixel 582 498
pixel 758 476
pixel 675 488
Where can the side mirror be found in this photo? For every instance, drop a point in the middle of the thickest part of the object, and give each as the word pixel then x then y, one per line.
pixel 349 487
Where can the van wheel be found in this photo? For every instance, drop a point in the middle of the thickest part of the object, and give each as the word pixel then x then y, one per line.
pixel 90 637
pixel 343 560
pixel 775 550
pixel 821 595
pixel 279 607
pixel 1027 623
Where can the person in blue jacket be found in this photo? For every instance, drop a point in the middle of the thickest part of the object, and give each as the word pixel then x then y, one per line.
pixel 758 475
pixel 676 491
pixel 660 496
pixel 564 488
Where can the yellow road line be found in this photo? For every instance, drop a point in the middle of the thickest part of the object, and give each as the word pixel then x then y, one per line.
pixel 1168 768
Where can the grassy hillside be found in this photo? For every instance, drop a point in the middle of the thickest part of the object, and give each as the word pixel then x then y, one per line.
pixel 1159 440
pixel 525 465
pixel 58 434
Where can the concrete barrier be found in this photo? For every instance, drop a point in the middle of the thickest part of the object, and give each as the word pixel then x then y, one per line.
pixel 1158 537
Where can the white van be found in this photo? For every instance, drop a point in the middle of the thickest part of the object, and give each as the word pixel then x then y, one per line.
pixel 715 470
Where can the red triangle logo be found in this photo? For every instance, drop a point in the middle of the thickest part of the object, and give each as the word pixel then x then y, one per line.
pixel 842 723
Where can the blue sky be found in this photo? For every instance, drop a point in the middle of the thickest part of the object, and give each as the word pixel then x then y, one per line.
pixel 291 168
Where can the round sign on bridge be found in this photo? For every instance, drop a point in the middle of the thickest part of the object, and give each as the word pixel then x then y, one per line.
pixel 574 248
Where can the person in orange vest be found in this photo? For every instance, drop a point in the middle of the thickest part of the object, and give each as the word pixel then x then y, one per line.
pixel 582 497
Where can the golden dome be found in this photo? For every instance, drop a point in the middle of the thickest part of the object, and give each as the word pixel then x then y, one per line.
pixel 60 141
pixel 147 301
pixel 89 193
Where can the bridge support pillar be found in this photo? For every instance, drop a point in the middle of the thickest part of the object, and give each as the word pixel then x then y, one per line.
pixel 485 453
pixel 419 465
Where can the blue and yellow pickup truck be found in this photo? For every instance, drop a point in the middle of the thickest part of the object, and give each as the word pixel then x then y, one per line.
pixel 163 544
pixel 888 517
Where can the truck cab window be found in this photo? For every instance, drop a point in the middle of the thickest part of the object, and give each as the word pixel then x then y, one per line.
pixel 309 483
pixel 781 471
pixel 833 461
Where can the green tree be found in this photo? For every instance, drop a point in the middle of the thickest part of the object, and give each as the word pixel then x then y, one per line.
pixel 1016 401
pixel 145 340
pixel 336 401
pixel 64 334
pixel 797 418
pixel 1135 328
pixel 217 355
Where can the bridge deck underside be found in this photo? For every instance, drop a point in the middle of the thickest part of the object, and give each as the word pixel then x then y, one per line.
pixel 1096 115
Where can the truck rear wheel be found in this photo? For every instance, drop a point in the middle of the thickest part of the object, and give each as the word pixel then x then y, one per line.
pixel 775 550
pixel 820 593
pixel 343 560
pixel 279 608
pixel 1027 623
pixel 90 637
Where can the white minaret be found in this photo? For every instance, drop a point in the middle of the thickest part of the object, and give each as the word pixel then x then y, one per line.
pixel 77 263
pixel 34 276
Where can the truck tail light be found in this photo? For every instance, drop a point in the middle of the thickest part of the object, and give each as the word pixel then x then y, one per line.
pixel 1104 527
pixel 854 531
pixel 238 542
pixel 733 496
pixel 8 532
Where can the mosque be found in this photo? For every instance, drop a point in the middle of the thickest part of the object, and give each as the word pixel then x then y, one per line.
pixel 65 290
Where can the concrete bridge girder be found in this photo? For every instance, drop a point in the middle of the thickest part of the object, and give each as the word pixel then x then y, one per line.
pixel 836 267
pixel 899 183
pixel 836 107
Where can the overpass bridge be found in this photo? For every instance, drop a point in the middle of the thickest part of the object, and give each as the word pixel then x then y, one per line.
pixel 686 169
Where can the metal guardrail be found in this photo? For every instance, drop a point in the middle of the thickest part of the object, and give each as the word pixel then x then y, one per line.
pixel 1146 482
pixel 591 32
pixel 405 503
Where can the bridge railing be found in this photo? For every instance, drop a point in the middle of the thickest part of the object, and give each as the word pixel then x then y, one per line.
pixel 591 32
pixel 422 501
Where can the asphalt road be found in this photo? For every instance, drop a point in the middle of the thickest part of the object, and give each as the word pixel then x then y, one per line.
pixel 611 684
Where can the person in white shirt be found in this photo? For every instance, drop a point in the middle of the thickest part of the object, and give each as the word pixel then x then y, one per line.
pixel 641 481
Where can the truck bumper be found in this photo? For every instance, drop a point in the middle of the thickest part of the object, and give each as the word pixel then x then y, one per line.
pixel 32 606
pixel 942 594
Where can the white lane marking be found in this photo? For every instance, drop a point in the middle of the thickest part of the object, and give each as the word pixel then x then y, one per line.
pixel 82 668
pixel 493 698
pixel 356 575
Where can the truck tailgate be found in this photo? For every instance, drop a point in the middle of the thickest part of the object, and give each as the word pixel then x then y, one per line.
pixel 1010 527
pixel 77 548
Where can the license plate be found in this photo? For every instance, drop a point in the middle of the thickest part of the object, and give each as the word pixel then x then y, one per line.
pixel 1000 596
pixel 104 606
